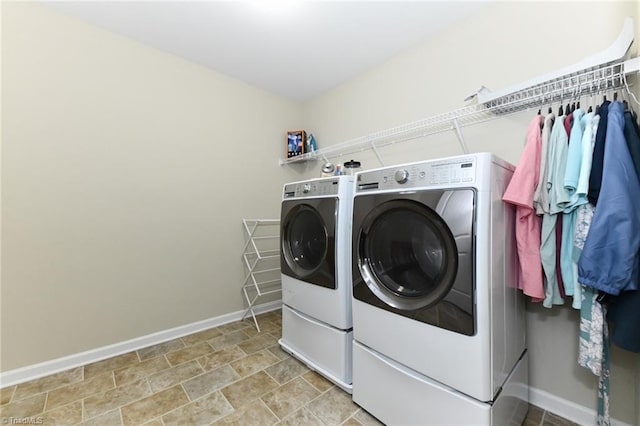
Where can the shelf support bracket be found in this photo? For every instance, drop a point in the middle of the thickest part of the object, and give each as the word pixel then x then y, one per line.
pixel 377 153
pixel 456 127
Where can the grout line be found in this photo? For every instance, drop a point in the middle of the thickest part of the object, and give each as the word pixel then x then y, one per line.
pixel 269 408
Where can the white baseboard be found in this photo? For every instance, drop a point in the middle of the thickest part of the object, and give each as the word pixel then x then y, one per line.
pixel 567 409
pixel 31 372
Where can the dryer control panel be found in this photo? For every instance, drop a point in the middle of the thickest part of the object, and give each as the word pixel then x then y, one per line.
pixel 312 188
pixel 452 171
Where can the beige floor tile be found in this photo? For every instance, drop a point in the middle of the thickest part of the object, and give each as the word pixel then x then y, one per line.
pixel 248 389
pixel 286 370
pixel 160 349
pixel 154 406
pixel 251 332
pixel 270 316
pixel 201 336
pixel 62 396
pixel 302 417
pixel 112 418
pixel 277 351
pixel 266 327
pixel 24 408
pixel 44 384
pixel 69 414
pixel 258 343
pixel 96 405
pixel 234 326
pixel 202 390
pixel 189 353
pixel 288 398
pixel 141 370
pixel 219 358
pixel 551 419
pixel 202 411
pixel 254 363
pixel 209 382
pixel 366 419
pixel 253 414
pixel 110 364
pixel 172 376
pixel 226 340
pixel 333 407
pixel 535 414
pixel 6 394
pixel 318 381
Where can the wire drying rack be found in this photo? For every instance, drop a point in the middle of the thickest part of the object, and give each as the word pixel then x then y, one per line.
pixel 261 258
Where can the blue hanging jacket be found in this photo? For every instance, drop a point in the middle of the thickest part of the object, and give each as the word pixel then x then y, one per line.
pixel 609 260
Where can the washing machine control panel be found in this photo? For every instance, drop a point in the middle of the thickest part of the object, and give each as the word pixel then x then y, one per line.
pixel 441 172
pixel 312 189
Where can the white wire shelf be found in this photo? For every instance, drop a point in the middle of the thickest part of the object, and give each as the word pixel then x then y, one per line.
pixel 602 72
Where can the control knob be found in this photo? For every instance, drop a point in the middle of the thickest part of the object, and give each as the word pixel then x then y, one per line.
pixel 401 176
pixel 306 188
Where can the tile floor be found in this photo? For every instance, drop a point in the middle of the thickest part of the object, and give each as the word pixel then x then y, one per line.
pixel 226 375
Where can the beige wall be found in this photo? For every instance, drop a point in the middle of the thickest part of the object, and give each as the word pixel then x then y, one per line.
pixel 126 173
pixel 506 43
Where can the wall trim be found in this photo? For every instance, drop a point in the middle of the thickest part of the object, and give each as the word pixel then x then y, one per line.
pixel 35 371
pixel 567 409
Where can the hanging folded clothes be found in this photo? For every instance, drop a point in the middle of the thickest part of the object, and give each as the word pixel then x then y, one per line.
pixel 624 309
pixel 520 192
pixel 632 135
pixel 595 179
pixel 558 198
pixel 609 260
pixel 571 177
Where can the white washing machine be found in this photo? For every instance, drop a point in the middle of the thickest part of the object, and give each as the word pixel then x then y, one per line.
pixel 316 275
pixel 438 321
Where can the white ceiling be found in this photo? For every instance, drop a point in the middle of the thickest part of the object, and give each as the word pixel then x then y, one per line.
pixel 298 49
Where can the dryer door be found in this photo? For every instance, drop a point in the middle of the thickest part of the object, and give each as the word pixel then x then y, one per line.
pixel 412 255
pixel 308 239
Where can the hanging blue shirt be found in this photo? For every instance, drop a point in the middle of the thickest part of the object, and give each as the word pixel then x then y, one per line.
pixel 609 260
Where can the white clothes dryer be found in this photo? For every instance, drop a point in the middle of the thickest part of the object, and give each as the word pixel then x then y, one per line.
pixel 315 263
pixel 439 324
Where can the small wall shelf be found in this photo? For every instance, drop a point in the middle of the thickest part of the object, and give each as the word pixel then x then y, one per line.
pixel 261 257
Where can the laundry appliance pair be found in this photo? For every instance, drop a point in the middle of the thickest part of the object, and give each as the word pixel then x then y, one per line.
pixel 438 331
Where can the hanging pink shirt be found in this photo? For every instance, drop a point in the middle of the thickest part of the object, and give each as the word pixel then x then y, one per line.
pixel 528 225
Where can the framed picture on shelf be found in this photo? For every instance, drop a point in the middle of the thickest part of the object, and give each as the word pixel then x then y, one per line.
pixel 295 142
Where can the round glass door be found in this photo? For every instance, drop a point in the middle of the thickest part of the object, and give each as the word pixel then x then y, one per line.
pixel 305 240
pixel 407 255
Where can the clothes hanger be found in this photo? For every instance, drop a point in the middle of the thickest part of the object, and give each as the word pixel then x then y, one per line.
pixel 630 95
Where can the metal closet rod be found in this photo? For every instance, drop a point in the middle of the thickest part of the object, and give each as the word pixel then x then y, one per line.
pixel 604 71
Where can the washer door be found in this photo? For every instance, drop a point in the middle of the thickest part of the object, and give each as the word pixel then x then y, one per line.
pixel 413 255
pixel 407 255
pixel 308 240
